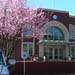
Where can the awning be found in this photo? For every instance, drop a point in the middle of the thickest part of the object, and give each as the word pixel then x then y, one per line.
pixel 52 42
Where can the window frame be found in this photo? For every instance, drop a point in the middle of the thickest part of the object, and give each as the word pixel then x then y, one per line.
pixel 71 30
pixel 27 43
pixel 52 34
pixel 70 52
pixel 52 55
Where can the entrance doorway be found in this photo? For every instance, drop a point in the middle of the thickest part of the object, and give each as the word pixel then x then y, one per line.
pixel 54 53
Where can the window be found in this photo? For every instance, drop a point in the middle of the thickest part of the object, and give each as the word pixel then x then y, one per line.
pixel 72 51
pixel 61 53
pixel 28 47
pixel 50 53
pixel 54 53
pixel 24 47
pixel 45 52
pixel 54 33
pixel 27 30
pixel 71 32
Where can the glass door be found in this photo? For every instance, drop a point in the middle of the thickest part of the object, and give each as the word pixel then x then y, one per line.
pixel 56 54
pixel 46 52
pixel 72 51
pixel 61 53
pixel 50 53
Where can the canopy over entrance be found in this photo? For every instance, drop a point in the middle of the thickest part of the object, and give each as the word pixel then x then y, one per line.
pixel 51 42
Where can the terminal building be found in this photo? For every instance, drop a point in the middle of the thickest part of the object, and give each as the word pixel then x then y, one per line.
pixel 58 41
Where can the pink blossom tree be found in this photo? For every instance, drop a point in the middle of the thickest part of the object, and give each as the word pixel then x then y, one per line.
pixel 11 20
pixel 14 15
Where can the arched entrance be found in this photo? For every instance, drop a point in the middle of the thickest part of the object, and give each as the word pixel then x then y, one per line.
pixel 54 51
pixel 53 44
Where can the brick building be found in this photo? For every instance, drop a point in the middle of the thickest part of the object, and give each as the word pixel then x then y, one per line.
pixel 58 41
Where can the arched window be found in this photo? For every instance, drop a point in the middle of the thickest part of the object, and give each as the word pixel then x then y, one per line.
pixel 71 32
pixel 54 33
pixel 27 30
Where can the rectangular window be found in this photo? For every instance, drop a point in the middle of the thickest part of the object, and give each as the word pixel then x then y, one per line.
pixel 46 52
pixel 71 32
pixel 71 35
pixel 24 47
pixel 72 52
pixel 61 53
pixel 28 47
pixel 61 38
pixel 45 37
pixel 50 53
pixel 55 53
pixel 55 37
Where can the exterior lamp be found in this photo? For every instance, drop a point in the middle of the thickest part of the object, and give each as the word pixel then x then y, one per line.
pixel 69 58
pixel 44 58
pixel 34 59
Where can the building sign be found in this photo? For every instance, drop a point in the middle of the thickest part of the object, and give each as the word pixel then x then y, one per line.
pixel 24 55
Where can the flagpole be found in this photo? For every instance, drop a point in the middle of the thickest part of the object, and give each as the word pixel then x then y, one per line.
pixel 53 4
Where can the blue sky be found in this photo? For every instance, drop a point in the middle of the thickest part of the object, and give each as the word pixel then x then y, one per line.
pixel 67 5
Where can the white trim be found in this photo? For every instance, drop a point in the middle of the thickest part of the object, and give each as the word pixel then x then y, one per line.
pixel 27 42
pixel 72 45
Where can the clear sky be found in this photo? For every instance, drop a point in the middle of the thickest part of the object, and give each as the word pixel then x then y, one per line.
pixel 67 5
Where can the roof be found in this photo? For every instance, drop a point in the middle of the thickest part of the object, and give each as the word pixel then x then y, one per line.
pixel 61 11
